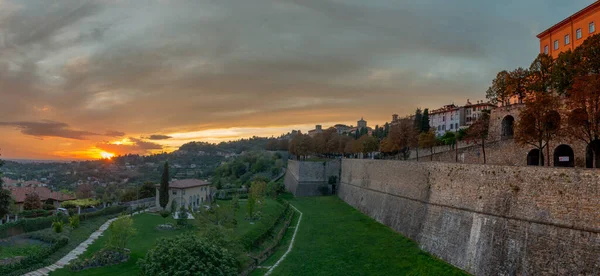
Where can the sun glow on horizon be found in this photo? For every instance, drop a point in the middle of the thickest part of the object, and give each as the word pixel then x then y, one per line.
pixel 106 155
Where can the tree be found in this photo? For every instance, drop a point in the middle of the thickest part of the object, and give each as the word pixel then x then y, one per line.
pixel 450 139
pixel 479 130
pixel 427 140
pixel 5 196
pixel 344 145
pixel 368 144
pixel 540 74
pixel 221 215
pixel 120 231
pixel 564 71
pixel 517 83
pixel 163 192
pixel 258 190
pixel 32 202
pixel 498 92
pixel 147 190
pixel 188 255
pixel 85 191
pixel 577 75
pixel 539 122
pixel 425 121
pixel 418 119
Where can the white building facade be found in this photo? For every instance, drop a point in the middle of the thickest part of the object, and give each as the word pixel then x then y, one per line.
pixel 447 118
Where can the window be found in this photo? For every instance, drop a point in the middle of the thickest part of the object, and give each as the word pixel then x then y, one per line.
pixel 444 127
pixel 578 33
pixel 592 27
pixel 567 40
pixel 174 192
pixel 451 126
pixel 555 44
pixel 183 192
pixel 474 108
pixel 456 126
pixel 546 49
pixel 439 128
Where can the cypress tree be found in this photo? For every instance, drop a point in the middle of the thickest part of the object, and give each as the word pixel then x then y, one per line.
pixel 163 191
pixel 418 119
pixel 386 130
pixel 425 121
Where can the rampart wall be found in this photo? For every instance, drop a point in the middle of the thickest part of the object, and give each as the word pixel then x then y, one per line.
pixel 485 219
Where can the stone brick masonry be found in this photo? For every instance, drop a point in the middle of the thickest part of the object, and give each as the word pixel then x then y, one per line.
pixel 485 219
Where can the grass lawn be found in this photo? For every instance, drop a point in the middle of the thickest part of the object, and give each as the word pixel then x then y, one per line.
pixel 336 239
pixel 146 236
pixel 19 250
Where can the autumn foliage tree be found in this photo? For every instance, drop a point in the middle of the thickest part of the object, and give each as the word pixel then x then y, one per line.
pixel 577 76
pixel 539 122
pixel 428 140
pixel 498 91
pixel 32 202
pixel 478 132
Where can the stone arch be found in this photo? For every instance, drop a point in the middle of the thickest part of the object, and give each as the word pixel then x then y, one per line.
pixel 533 158
pixel 564 156
pixel 508 124
pixel 592 154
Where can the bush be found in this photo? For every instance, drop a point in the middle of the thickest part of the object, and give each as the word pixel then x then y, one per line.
pixel 104 257
pixel 83 203
pixel 120 231
pixel 106 211
pixel 57 225
pixel 74 221
pixel 164 213
pixel 187 255
pixel 48 207
pixel 182 216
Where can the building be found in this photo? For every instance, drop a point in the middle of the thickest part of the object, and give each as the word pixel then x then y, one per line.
pixel 313 132
pixel 46 196
pixel 569 33
pixel 447 118
pixel 341 129
pixel 361 123
pixel 186 192
pixel 474 111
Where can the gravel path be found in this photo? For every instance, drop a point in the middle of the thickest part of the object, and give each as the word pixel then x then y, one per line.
pixel 291 244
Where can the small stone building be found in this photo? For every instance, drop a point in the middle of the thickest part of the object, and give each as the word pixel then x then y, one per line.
pixel 186 192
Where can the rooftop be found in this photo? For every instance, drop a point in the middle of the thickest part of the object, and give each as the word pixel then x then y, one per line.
pixel 569 19
pixel 187 183
pixel 19 193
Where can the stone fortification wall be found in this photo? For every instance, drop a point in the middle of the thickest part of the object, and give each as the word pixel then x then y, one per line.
pixel 485 219
pixel 308 178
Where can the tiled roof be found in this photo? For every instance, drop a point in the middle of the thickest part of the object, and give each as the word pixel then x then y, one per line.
pixel 19 193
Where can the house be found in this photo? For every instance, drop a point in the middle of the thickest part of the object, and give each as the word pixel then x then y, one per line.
pixel 313 132
pixel 46 196
pixel 186 192
pixel 448 118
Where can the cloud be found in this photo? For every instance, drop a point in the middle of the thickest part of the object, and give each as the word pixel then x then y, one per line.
pixel 159 137
pixel 132 145
pixel 49 129
pixel 254 64
pixel 114 133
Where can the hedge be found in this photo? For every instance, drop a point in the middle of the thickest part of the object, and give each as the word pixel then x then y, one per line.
pixel 35 213
pixel 263 230
pixel 29 225
pixel 83 203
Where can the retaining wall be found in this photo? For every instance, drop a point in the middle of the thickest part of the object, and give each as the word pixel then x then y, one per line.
pixel 485 219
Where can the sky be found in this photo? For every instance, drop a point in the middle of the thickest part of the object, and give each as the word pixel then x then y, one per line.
pixel 86 79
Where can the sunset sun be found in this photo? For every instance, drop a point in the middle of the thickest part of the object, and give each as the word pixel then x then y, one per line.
pixel 107 155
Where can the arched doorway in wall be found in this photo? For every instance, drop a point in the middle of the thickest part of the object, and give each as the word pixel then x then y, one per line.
pixel 507 125
pixel 533 158
pixel 563 156
pixel 592 154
